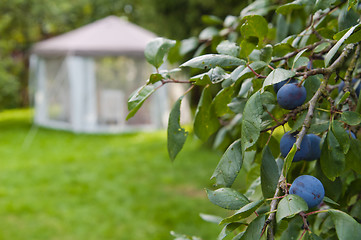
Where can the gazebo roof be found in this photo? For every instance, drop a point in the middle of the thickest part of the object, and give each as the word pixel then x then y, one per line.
pixel 108 36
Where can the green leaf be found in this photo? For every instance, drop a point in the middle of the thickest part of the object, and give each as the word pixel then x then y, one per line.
pixel 301 62
pixel 155 77
pixel 343 98
pixel 208 61
pixel 176 134
pixel 321 47
pixel 188 45
pixel 341 135
pixel 330 201
pixel 242 72
pixel 289 206
pixel 208 33
pixel 312 84
pixel 287 8
pixel 351 118
pixel 266 53
pixel 319 127
pixel 214 75
pixel 205 121
pixel 228 48
pixel 228 229
pixel 353 159
pixel 346 226
pixel 211 20
pixel 288 159
pixel 227 198
pixel 335 48
pixel 229 165
pixel 211 218
pixel 247 47
pixel 156 50
pixel 202 79
pixel 256 26
pixel 244 212
pixel 251 121
pixel 297 57
pixel 351 3
pixel 278 75
pixel 137 99
pixel 221 100
pixel 269 173
pixel 311 236
pixel 183 237
pixel 332 157
pixel 299 122
pixel 254 230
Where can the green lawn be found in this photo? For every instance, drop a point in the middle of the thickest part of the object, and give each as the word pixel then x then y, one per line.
pixel 59 185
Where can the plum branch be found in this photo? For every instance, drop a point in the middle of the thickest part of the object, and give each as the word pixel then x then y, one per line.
pixel 312 103
pixel 348 77
pixel 306 124
pixel 294 53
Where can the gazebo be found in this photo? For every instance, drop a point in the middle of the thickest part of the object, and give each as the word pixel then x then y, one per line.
pixel 82 79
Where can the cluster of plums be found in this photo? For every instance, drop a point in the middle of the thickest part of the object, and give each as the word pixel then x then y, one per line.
pixel 310 148
pixel 291 95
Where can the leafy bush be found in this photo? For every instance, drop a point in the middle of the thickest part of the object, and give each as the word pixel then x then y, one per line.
pixel 236 64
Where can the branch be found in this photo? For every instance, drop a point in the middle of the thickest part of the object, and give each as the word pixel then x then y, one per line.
pixel 294 53
pixel 348 77
pixel 306 124
pixel 254 72
pixel 273 207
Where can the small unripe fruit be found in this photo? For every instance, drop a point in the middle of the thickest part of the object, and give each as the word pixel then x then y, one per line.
pixel 291 96
pixel 286 143
pixel 309 188
pixel 277 86
pixel 315 148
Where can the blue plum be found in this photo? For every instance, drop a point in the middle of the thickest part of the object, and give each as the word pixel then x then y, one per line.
pixel 309 188
pixel 286 143
pixel 357 90
pixel 277 86
pixel 291 96
pixel 315 148
pixel 351 133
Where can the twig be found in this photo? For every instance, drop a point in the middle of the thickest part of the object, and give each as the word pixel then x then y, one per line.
pixel 294 53
pixel 312 103
pixel 303 233
pixel 254 72
pixel 273 207
pixel 348 77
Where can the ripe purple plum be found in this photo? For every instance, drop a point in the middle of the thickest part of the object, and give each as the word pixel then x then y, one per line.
pixel 351 133
pixel 309 188
pixel 354 81
pixel 315 148
pixel 286 143
pixel 278 85
pixel 291 96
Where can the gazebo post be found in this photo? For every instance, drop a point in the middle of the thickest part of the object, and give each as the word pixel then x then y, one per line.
pixel 37 66
pixel 75 66
pixel 90 104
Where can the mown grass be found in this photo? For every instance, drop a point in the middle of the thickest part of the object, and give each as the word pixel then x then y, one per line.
pixel 59 185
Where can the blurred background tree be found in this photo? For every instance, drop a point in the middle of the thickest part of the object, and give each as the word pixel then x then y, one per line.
pixel 24 22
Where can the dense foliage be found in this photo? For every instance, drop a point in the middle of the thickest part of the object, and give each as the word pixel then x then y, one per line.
pixel 25 22
pixel 245 66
